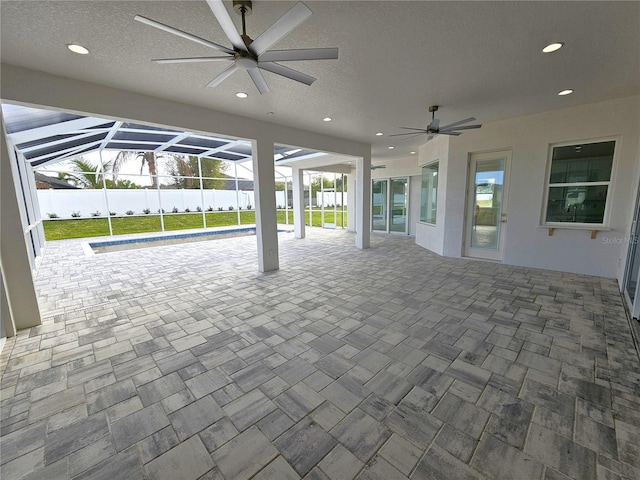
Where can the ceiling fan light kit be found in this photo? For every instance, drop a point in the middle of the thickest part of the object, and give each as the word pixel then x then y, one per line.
pixel 434 127
pixel 251 55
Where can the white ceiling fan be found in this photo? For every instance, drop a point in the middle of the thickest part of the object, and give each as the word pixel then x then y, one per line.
pixel 249 54
pixel 434 127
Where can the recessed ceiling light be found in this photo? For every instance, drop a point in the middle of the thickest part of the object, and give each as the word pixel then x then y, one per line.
pixel 271 113
pixel 326 119
pixel 379 134
pixel 413 153
pixel 391 148
pixel 552 47
pixel 75 48
pixel 568 91
pixel 241 95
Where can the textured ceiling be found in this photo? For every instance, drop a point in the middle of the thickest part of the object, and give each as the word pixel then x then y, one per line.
pixel 477 59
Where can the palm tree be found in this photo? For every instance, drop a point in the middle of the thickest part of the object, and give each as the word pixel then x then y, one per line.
pixel 85 174
pixel 146 158
pixel 184 169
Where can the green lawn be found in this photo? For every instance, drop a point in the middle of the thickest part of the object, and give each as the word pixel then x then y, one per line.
pixel 96 227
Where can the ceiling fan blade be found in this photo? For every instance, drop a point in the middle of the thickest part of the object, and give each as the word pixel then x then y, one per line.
pixel 258 80
pixel 467 127
pixel 229 28
pixel 287 72
pixel 180 33
pixel 455 134
pixel 422 132
pixel 448 127
pixel 412 128
pixel 411 136
pixel 299 54
pixel 285 24
pixel 192 59
pixel 223 75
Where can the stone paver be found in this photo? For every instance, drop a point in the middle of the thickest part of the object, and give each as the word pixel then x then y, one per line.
pixel 389 363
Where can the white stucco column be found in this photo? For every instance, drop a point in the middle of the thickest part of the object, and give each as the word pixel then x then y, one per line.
pixel 363 201
pixel 298 202
pixel 265 196
pixel 351 202
pixel 21 310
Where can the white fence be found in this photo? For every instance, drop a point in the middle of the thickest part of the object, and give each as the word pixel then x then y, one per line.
pixel 329 199
pixel 64 203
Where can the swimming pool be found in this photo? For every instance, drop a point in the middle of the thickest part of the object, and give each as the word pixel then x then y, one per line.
pixel 107 246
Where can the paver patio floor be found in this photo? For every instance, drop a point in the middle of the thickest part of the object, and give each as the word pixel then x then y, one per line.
pixel 184 362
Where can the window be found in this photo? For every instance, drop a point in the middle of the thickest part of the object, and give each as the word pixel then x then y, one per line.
pixel 429 193
pixel 578 186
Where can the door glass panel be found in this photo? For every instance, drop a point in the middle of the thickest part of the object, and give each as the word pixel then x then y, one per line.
pixel 398 220
pixel 487 201
pixel 379 205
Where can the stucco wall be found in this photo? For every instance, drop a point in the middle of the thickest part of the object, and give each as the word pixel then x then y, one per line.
pixel 529 138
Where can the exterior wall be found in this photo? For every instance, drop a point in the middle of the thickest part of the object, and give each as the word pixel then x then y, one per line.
pixel 527 243
pixel 430 236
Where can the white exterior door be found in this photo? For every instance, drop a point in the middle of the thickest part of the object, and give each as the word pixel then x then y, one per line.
pixel 487 196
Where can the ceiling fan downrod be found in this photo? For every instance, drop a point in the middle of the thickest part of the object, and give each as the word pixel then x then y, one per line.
pixel 244 8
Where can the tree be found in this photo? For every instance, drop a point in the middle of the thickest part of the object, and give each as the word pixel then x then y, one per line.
pixel 184 169
pixel 339 183
pixel 122 184
pixel 146 158
pixel 316 184
pixel 85 174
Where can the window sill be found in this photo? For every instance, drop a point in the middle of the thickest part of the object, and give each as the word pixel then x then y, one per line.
pixel 427 223
pixel 594 229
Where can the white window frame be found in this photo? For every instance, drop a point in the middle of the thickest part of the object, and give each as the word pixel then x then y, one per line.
pixel 427 165
pixel 610 186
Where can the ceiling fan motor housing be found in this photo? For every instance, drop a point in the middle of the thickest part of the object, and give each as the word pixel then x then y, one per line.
pixel 238 5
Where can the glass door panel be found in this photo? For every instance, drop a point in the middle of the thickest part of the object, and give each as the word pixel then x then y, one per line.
pixel 379 206
pixel 486 211
pixel 398 212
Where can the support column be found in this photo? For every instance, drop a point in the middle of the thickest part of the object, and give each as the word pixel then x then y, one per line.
pixel 351 202
pixel 363 201
pixel 298 202
pixel 22 302
pixel 265 196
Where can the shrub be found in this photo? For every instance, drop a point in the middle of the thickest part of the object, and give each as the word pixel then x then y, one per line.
pixel 174 210
pixel 113 214
pixel 219 209
pixel 198 209
pixel 96 214
pixel 239 208
pixel 146 211
pixel 130 212
pixel 210 209
pixel 230 207
pixel 249 207
pixel 279 207
pixel 187 210
pixel 53 215
pixel 162 211
pixel 75 214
